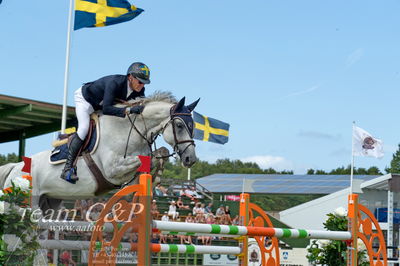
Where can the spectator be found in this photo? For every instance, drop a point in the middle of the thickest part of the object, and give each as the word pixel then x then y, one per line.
pixel 194 193
pixel 85 208
pixel 165 217
pixel 225 220
pixel 228 214
pixel 155 238
pixel 185 239
pixel 196 209
pixel 160 190
pixel 202 209
pixel 210 218
pixel 171 192
pixel 163 238
pixel 66 258
pixel 180 204
pixel 208 209
pixel 154 210
pixel 227 210
pixel 78 208
pixel 90 202
pixel 236 220
pixel 220 211
pixel 172 210
pixel 189 218
pixel 93 211
pixel 188 239
pixel 62 214
pixel 133 237
pixel 187 193
pixel 200 218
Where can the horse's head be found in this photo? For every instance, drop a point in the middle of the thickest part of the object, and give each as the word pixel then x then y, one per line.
pixel 178 132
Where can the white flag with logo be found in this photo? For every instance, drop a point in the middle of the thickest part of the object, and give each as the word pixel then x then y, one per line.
pixel 366 145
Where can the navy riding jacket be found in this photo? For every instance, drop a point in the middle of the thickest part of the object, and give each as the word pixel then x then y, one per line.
pixel 104 92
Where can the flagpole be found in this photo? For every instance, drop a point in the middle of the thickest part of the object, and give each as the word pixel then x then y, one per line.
pixel 66 72
pixel 352 158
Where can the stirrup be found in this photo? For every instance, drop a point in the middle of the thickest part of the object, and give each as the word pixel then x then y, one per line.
pixel 70 175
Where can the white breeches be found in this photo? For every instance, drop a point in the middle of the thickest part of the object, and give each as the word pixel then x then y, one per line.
pixel 174 214
pixel 83 110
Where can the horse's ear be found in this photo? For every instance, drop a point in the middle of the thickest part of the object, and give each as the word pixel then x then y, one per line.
pixel 193 105
pixel 180 104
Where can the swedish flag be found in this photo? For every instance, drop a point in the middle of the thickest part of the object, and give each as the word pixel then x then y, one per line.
pixel 100 13
pixel 210 129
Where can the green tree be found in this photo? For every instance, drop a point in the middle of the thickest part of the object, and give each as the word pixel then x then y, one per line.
pixel 394 163
pixel 227 166
pixel 9 158
pixel 341 171
pixel 320 172
pixel 373 170
pixel 203 168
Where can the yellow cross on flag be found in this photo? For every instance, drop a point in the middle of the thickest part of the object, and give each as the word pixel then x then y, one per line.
pixel 100 13
pixel 210 129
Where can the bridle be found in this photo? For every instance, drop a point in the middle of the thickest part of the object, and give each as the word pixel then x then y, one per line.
pixel 173 118
pixel 180 116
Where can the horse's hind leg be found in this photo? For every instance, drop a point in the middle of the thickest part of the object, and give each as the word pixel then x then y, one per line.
pixel 47 203
pixel 5 171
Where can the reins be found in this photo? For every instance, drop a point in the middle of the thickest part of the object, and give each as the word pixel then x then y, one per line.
pixel 173 117
pixel 149 143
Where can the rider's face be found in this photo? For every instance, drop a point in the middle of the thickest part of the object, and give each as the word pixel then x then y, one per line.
pixel 135 84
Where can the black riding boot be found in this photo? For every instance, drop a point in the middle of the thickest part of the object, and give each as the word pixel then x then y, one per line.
pixel 69 172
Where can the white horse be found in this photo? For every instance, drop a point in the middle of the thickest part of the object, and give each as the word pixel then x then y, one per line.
pixel 161 115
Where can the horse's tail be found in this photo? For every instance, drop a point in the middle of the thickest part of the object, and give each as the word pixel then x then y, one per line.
pixel 5 171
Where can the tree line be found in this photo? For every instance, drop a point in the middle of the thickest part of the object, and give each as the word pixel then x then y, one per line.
pixel 227 166
pixel 9 158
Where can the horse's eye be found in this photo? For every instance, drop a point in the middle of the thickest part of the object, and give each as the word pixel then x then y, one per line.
pixel 179 125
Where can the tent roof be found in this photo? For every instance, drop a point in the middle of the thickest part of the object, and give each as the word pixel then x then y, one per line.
pixel 24 118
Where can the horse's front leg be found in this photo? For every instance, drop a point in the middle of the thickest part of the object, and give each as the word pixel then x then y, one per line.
pixel 160 156
pixel 122 166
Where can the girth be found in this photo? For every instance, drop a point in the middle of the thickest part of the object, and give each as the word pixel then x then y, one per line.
pixel 103 185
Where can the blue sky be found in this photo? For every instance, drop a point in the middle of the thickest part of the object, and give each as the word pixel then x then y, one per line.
pixel 289 76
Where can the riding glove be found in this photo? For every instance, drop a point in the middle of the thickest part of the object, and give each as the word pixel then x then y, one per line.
pixel 137 109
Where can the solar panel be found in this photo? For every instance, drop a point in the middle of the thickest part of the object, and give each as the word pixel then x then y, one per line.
pixel 267 183
pixel 282 184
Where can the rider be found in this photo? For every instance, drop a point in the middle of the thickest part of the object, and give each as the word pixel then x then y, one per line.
pixel 101 95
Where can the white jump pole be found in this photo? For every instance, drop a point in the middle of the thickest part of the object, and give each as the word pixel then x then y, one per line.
pixel 168 248
pixel 249 230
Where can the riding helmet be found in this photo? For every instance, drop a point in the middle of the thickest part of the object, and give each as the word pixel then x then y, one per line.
pixel 140 71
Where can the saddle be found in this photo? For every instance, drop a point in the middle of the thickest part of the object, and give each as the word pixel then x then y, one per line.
pixel 60 152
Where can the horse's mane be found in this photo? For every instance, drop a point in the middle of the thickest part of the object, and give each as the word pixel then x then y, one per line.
pixel 160 96
pixel 157 96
